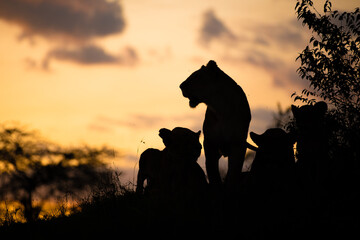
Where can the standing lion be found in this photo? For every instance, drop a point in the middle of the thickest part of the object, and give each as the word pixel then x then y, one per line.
pixel 226 121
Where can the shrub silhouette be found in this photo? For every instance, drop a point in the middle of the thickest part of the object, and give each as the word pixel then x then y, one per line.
pixel 32 167
pixel 331 65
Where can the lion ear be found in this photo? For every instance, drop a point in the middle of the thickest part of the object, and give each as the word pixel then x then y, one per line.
pixel 256 138
pixel 165 134
pixel 211 64
pixel 198 133
pixel 321 107
pixel 294 110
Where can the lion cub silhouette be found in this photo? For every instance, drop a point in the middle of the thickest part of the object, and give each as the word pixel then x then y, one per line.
pixel 226 121
pixel 272 180
pixel 312 142
pixel 175 168
pixel 274 162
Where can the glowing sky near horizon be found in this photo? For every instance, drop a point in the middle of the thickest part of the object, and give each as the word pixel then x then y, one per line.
pixel 108 72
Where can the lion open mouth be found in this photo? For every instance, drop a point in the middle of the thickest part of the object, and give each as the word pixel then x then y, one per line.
pixel 193 102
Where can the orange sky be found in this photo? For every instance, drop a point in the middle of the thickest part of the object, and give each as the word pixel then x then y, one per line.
pixel 108 72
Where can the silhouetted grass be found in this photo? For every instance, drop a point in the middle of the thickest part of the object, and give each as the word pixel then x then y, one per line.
pixel 112 209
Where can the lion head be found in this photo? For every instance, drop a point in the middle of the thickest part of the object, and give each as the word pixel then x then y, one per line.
pixel 182 143
pixel 273 139
pixel 275 145
pixel 309 117
pixel 204 83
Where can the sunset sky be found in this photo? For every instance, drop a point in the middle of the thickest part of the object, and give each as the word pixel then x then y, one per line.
pixel 108 72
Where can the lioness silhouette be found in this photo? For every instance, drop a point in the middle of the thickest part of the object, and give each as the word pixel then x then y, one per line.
pixel 174 168
pixel 226 121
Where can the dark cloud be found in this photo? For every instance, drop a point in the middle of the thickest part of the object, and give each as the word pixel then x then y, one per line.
pixel 261 59
pixel 285 34
pixel 76 19
pixel 90 54
pixel 87 55
pixel 256 44
pixel 283 74
pixel 79 22
pixel 213 28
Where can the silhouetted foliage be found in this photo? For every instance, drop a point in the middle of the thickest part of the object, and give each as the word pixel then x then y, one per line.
pixel 332 60
pixel 32 167
pixel 328 138
pixel 331 63
pixel 281 117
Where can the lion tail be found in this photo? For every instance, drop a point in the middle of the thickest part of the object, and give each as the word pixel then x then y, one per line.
pixel 251 147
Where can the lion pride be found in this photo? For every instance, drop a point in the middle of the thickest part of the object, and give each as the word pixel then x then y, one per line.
pixel 226 121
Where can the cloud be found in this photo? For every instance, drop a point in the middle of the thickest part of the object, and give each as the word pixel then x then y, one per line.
pixel 142 121
pixel 90 54
pixel 79 22
pixel 261 44
pixel 282 73
pixel 213 28
pixel 289 34
pixel 286 34
pixel 87 55
pixel 75 19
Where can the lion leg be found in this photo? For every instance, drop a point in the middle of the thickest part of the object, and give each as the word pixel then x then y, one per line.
pixel 233 197
pixel 235 163
pixel 212 156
